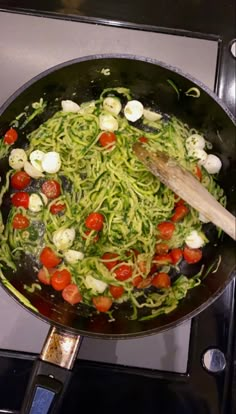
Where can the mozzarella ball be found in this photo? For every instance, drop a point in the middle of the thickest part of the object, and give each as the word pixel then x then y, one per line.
pixel 97 286
pixel 133 110
pixel 203 218
pixel 212 164
pixel 32 171
pixel 70 106
pixel 63 238
pixel 37 202
pixel 107 122
pixel 36 158
pixel 194 240
pixel 17 158
pixel 51 162
pixel 112 105
pixel 195 141
pixel 199 154
pixel 73 256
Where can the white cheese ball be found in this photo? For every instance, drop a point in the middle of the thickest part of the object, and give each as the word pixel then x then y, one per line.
pixel 51 162
pixel 97 286
pixel 36 158
pixel 112 105
pixel 203 218
pixel 32 171
pixel 107 122
pixel 133 110
pixel 73 256
pixel 194 240
pixel 212 164
pixel 70 106
pixel 37 202
pixel 199 154
pixel 63 238
pixel 17 158
pixel 195 141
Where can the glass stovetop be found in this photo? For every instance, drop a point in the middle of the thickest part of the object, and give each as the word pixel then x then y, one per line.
pixel 33 44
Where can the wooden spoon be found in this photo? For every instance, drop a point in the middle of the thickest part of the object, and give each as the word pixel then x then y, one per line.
pixel 187 187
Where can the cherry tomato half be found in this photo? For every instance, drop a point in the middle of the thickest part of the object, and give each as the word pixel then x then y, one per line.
pixel 143 140
pixel 136 280
pixel 144 283
pixel 51 189
pixel 60 279
pixel 48 258
pixel 192 255
pixel 123 272
pixel 161 280
pixel 198 172
pixel 161 248
pixel 20 199
pixel 162 259
pixel 102 303
pixel 116 291
pixel 57 208
pixel 107 139
pixel 176 255
pixel 20 180
pixel 94 221
pixel 109 260
pixel 44 275
pixel 10 136
pixel 166 230
pixel 71 294
pixel 20 222
pixel 179 213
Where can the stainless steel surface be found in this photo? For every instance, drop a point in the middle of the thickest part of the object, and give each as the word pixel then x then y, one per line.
pixel 214 360
pixel 60 348
pixel 29 45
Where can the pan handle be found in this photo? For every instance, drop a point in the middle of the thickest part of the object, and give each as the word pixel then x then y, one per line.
pixel 51 373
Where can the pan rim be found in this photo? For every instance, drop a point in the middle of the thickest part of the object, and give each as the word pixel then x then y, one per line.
pixel 218 101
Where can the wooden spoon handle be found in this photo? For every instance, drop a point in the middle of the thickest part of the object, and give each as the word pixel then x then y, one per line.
pixel 183 183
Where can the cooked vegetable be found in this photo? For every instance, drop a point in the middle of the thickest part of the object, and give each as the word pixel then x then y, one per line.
pixel 10 136
pixel 20 180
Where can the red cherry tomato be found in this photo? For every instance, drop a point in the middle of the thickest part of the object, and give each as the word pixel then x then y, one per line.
pixel 144 283
pixel 102 303
pixel 123 272
pixel 20 180
pixel 51 189
pixel 179 213
pixel 176 255
pixel 192 255
pixel 136 280
pixel 71 294
pixel 48 258
pixel 109 260
pixel 143 139
pixel 116 291
pixel 107 139
pixel 166 230
pixel 94 239
pixel 162 259
pixel 161 280
pixel 161 248
pixel 179 201
pixel 60 279
pixel 10 136
pixel 57 208
pixel 20 199
pixel 20 222
pixel 94 221
pixel 198 172
pixel 44 275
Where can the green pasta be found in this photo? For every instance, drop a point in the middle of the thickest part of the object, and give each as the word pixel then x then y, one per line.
pixel 112 182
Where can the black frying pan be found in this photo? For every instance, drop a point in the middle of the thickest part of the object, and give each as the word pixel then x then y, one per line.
pixel 148 81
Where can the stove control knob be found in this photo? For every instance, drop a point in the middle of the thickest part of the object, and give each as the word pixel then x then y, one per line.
pixel 213 360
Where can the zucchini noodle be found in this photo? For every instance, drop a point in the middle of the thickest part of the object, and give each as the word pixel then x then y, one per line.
pixel 113 182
